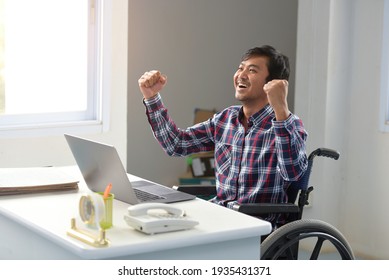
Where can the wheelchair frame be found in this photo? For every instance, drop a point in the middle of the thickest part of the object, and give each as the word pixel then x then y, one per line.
pixel 283 242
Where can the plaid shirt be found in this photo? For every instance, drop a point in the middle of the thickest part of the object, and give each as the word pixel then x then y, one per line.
pixel 251 166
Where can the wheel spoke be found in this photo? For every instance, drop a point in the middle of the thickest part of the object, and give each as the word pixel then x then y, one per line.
pixel 316 251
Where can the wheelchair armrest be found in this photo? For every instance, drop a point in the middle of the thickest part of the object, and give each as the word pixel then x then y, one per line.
pixel 197 189
pixel 254 209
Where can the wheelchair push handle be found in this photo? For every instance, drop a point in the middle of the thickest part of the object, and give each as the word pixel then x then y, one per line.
pixel 324 152
pixel 302 183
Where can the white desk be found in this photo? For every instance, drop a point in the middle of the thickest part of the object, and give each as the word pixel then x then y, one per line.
pixel 34 227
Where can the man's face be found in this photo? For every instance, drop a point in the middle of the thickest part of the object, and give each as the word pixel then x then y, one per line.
pixel 250 78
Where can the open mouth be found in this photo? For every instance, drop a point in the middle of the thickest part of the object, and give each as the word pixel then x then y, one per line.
pixel 241 85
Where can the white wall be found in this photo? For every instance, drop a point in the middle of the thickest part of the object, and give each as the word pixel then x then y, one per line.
pixel 198 45
pixel 53 150
pixel 337 95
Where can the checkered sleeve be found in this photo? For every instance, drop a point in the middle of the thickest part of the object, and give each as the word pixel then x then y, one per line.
pixel 173 140
pixel 290 148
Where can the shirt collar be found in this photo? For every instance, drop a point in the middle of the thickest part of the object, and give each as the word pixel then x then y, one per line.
pixel 259 116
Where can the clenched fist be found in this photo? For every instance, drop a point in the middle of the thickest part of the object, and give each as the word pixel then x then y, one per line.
pixel 150 83
pixel 277 92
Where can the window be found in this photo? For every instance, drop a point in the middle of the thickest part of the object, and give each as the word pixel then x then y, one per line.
pixel 50 65
pixel 384 110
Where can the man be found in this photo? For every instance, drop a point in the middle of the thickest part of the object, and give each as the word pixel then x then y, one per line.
pixel 259 147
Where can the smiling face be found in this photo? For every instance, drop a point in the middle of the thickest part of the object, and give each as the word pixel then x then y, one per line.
pixel 250 78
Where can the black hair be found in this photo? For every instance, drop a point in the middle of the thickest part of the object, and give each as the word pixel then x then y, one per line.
pixel 278 64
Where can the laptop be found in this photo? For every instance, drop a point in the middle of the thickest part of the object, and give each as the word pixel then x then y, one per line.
pixel 101 165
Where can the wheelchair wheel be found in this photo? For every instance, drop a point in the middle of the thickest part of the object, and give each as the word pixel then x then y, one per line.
pixel 284 242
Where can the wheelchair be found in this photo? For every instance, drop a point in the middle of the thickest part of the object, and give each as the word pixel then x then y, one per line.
pixel 286 241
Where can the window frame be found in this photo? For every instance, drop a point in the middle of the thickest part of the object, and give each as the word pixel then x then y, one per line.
pixel 94 120
pixel 384 100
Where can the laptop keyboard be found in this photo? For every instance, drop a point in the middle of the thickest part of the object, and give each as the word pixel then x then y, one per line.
pixel 145 196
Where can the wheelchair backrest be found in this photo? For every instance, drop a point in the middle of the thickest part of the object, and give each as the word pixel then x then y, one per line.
pixel 301 185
